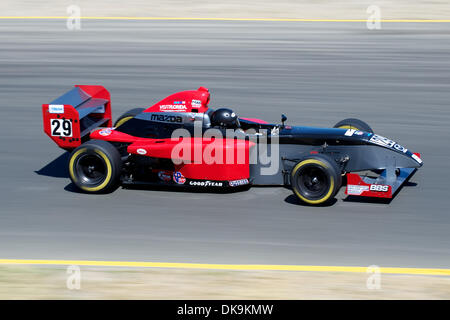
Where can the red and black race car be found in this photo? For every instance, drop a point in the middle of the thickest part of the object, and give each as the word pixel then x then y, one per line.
pixel 180 141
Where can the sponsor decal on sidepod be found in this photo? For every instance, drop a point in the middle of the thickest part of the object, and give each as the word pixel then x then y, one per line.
pixel 206 183
pixel 105 132
pixel 179 178
pixel 165 176
pixel 236 183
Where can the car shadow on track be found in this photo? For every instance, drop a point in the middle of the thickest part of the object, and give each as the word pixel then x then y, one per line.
pixel 187 189
pixel 73 188
pixel 57 168
pixel 367 200
pixel 293 199
pixel 149 187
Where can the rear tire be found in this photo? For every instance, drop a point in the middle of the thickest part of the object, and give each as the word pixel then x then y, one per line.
pixel 95 167
pixel 130 114
pixel 316 179
pixel 355 124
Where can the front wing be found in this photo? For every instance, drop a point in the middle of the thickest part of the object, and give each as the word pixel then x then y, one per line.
pixel 385 185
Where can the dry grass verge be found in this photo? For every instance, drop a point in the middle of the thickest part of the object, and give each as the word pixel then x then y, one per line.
pixel 34 282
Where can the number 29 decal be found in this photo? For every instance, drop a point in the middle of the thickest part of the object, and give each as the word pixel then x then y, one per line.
pixel 61 127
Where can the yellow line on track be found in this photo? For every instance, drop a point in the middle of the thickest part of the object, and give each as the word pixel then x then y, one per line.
pixel 225 19
pixel 244 267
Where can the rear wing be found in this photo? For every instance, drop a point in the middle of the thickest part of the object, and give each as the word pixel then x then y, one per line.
pixel 69 119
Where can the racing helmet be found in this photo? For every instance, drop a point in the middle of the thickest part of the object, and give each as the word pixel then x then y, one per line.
pixel 225 118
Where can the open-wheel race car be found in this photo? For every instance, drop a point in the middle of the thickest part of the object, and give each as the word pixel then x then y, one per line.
pixel 180 141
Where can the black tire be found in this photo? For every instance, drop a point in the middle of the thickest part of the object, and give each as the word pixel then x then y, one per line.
pixel 356 124
pixel 95 167
pixel 130 114
pixel 316 179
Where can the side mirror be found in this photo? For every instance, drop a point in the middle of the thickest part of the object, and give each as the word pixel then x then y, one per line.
pixel 283 119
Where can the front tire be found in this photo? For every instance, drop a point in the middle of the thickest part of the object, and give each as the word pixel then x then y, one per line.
pixel 355 124
pixel 130 114
pixel 316 179
pixel 95 167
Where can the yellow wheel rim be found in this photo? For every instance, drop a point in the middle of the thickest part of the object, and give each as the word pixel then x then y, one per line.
pixel 108 167
pixel 123 120
pixel 346 126
pixel 331 188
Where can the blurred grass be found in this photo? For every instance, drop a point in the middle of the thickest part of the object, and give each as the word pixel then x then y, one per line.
pixel 33 282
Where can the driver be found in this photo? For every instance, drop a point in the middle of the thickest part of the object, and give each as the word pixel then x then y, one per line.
pixel 225 118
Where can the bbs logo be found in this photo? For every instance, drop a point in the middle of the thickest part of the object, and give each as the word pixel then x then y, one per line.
pixel 166 118
pixel 379 187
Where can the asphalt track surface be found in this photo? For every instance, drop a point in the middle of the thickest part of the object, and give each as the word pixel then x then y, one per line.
pixel 397 79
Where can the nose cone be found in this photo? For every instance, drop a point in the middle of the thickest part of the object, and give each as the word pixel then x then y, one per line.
pixel 414 158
